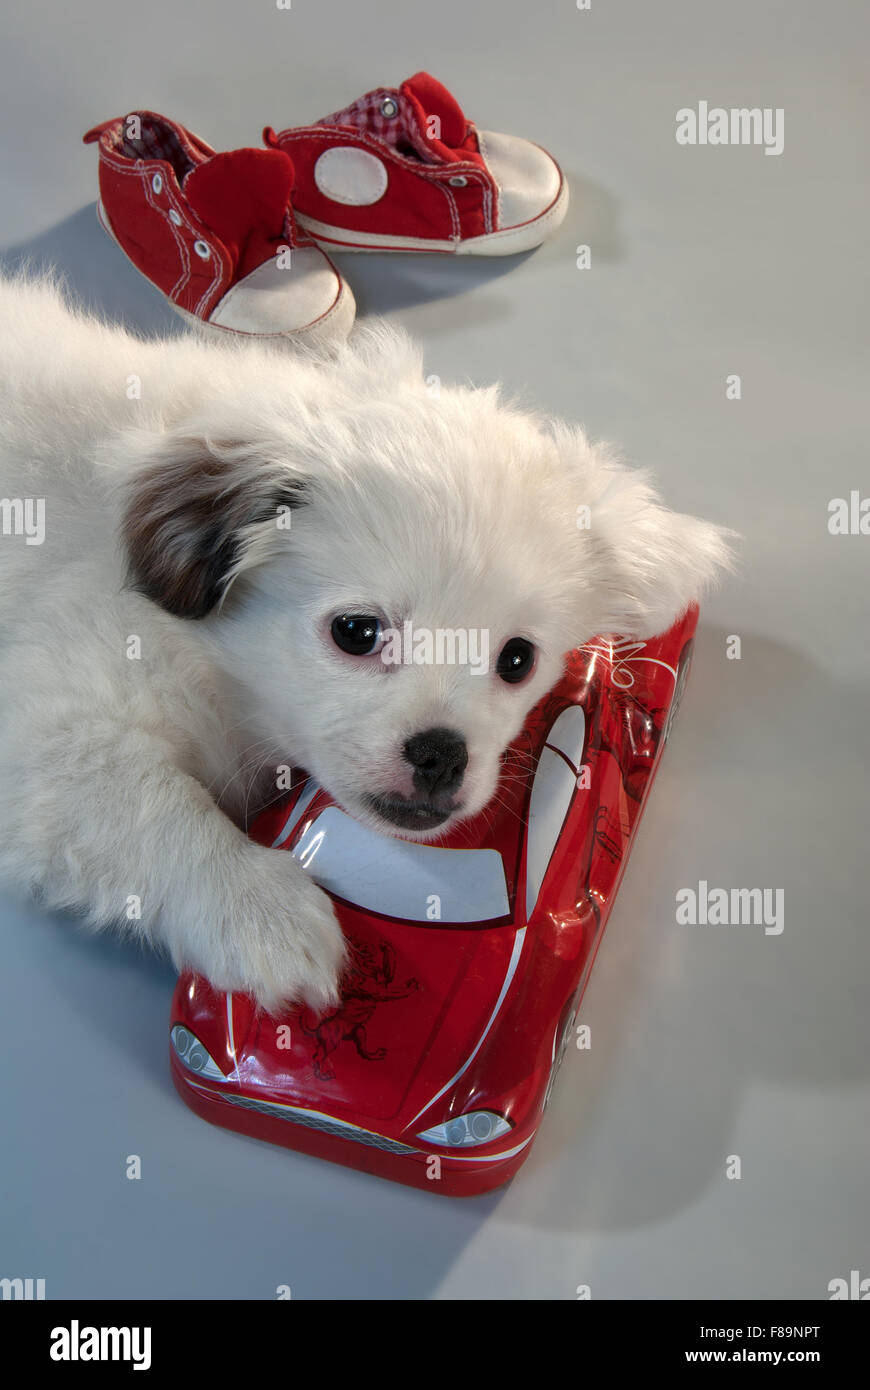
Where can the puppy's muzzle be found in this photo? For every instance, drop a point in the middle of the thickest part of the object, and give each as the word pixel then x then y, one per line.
pixel 439 758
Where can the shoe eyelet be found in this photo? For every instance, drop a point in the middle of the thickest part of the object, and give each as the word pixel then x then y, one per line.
pixel 157 183
pixel 458 182
pixel 389 108
pixel 202 249
pixel 175 217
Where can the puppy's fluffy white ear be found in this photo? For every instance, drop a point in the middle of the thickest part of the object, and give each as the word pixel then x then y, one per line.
pixel 647 563
pixel 197 514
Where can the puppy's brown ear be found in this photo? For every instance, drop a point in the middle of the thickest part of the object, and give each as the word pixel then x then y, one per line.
pixel 197 515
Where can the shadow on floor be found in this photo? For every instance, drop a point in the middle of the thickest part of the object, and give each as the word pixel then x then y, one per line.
pixel 98 273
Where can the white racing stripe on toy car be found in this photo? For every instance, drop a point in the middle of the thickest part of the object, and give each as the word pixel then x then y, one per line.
pixel 295 815
pixel 231 1037
pixel 552 790
pixel 399 877
pixel 568 735
pixel 512 965
pixel 490 1158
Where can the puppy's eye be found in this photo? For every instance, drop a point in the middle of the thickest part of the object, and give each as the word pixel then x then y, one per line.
pixel 355 633
pixel 515 660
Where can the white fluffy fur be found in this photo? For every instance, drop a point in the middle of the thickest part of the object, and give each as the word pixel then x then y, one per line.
pixel 125 778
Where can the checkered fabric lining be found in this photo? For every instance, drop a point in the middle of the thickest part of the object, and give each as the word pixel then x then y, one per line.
pixel 157 140
pixel 400 132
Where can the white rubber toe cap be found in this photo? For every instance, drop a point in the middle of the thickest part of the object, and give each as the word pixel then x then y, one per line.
pixel 529 180
pixel 307 298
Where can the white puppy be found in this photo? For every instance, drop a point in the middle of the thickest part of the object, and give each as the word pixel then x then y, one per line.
pixel 170 641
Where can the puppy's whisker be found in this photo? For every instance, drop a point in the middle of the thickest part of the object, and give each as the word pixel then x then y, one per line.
pixel 254 749
pixel 240 724
pixel 251 785
pixel 257 750
pixel 499 801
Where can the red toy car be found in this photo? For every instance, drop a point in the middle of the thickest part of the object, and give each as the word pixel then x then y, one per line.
pixel 468 958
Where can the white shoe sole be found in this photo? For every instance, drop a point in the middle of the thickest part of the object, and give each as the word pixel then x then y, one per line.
pixel 510 241
pixel 332 326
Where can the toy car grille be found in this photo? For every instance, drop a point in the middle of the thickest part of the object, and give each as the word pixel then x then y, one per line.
pixel 325 1126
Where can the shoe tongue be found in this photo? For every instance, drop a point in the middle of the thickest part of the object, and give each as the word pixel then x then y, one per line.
pixel 242 195
pixel 435 100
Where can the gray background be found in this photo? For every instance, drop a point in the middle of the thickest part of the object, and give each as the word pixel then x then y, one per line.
pixel 706 1042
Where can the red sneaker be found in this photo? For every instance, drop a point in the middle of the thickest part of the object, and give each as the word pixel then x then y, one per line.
pixel 216 233
pixel 406 170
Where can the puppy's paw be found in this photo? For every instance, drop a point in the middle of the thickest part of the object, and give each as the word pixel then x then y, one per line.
pixel 277 937
pixel 293 949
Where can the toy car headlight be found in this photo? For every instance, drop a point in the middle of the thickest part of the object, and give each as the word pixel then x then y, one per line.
pixel 477 1127
pixel 193 1054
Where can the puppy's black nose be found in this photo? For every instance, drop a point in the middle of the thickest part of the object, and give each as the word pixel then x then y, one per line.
pixel 439 758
